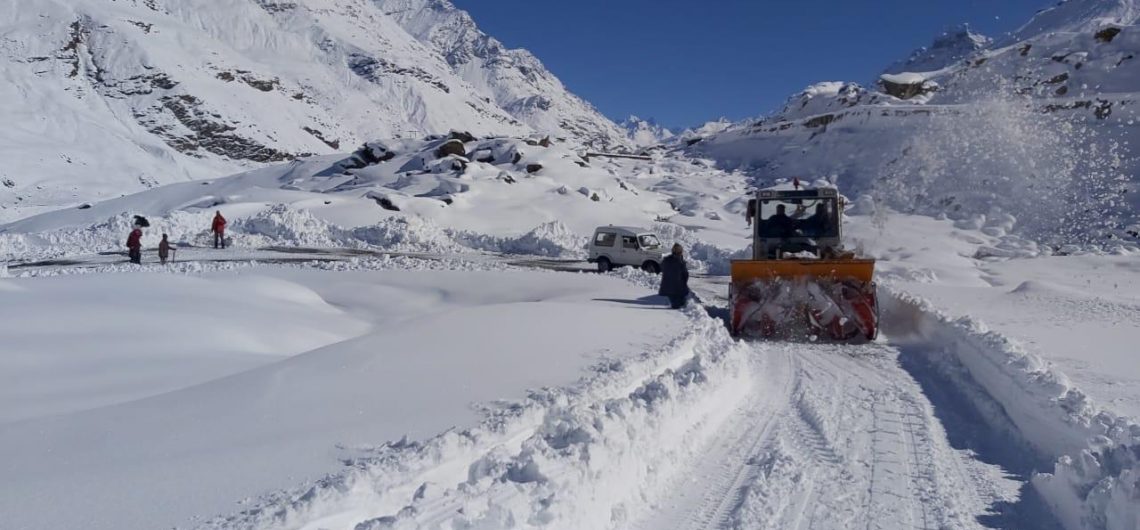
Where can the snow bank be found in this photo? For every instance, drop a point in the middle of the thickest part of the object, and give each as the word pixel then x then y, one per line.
pixel 279 225
pixel 283 225
pixel 1094 484
pixel 585 456
pixel 368 263
pixel 701 256
pixel 552 239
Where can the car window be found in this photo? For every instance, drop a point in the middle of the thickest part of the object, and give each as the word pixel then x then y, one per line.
pixel 605 239
pixel 649 241
pixel 628 242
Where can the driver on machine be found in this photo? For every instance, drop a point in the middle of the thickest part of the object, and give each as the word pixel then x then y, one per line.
pixel 780 225
pixel 816 225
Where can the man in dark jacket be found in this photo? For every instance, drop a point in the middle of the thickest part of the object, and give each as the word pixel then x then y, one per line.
pixel 780 225
pixel 675 278
pixel 164 249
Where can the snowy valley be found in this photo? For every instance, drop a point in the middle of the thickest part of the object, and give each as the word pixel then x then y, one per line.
pixel 404 332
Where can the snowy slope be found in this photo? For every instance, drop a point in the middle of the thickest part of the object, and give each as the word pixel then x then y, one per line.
pixel 515 79
pixel 109 98
pixel 1080 16
pixel 1048 121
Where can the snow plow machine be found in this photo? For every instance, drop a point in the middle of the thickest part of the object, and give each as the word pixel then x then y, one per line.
pixel 800 282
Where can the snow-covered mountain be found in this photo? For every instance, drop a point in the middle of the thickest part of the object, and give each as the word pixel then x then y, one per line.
pixel 646 132
pixel 948 48
pixel 515 80
pixel 104 98
pixel 1041 127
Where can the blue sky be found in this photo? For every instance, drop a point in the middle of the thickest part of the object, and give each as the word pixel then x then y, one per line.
pixel 685 62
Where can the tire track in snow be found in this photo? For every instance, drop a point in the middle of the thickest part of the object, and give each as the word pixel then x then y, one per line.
pixel 727 493
pixel 851 443
pixel 713 488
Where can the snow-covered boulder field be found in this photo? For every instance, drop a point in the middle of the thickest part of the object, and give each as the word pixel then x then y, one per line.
pixel 448 193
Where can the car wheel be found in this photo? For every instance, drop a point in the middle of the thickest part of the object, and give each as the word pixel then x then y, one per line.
pixel 604 265
pixel 651 267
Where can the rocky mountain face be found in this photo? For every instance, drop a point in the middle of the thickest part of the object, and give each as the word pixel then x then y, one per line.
pixel 949 48
pixel 515 80
pixel 105 97
pixel 1044 124
pixel 646 132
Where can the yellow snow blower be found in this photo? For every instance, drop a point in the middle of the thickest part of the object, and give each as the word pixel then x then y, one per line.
pixel 800 282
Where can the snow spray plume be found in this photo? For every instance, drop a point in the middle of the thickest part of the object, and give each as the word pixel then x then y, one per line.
pixel 1056 173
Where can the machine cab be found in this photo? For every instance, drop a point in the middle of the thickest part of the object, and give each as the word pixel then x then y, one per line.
pixel 795 221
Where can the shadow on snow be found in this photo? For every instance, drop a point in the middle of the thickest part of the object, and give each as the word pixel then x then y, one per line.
pixel 958 402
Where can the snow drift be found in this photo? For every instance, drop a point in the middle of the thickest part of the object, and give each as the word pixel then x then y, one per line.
pixel 584 456
pixel 1094 482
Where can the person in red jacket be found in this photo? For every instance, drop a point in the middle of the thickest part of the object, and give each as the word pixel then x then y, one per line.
pixel 219 230
pixel 134 245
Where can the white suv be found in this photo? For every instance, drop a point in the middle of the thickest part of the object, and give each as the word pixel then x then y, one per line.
pixel 615 246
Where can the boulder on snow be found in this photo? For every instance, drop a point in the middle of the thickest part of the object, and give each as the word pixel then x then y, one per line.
pixel 533 168
pixel 1107 34
pixel 451 147
pixel 545 142
pixel 375 152
pixel 462 136
pixel 383 201
pixel 451 163
pixel 591 194
pixel 906 85
pixel 368 154
pixel 484 155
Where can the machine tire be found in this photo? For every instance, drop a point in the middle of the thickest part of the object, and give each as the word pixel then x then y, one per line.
pixel 651 267
pixel 604 264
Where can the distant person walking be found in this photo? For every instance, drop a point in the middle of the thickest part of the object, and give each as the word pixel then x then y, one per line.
pixel 675 278
pixel 163 249
pixel 134 245
pixel 218 227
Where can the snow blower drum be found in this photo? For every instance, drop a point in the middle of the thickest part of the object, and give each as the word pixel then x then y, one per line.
pixel 800 282
pixel 824 299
